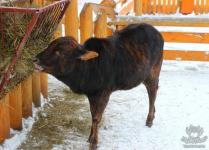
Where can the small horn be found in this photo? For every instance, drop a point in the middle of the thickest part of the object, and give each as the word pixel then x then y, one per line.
pixel 89 55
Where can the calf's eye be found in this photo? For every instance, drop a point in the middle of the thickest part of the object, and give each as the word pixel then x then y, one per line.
pixel 57 53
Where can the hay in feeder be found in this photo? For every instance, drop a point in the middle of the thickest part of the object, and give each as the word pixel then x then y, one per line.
pixel 12 30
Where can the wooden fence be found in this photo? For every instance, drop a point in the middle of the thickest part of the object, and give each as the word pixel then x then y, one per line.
pixel 17 104
pixel 169 36
pixel 165 6
pixel 175 37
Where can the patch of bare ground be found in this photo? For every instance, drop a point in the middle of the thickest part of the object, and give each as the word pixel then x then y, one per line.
pixel 65 119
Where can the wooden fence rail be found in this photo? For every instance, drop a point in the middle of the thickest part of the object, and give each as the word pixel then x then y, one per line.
pixel 177 37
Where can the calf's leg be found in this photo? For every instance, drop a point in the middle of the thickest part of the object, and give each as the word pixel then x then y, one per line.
pixel 98 102
pixel 151 84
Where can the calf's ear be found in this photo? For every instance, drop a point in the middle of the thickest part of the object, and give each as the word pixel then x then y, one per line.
pixel 89 55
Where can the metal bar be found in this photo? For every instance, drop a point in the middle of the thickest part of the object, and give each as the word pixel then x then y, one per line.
pixel 18 10
pixel 54 5
pixel 32 10
pixel 64 10
pixel 57 13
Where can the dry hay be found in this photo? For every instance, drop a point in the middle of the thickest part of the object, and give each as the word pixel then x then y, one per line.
pixel 66 116
pixel 13 26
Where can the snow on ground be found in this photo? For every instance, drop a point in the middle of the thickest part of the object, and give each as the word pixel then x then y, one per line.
pixel 183 99
pixel 17 137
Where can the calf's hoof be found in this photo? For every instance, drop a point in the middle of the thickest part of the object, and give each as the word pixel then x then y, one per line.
pixel 93 146
pixel 149 121
pixel 149 124
pixel 92 139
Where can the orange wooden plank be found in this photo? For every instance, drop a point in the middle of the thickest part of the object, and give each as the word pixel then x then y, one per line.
pixel 159 6
pixel 186 55
pixel 195 7
pixel 27 98
pixel 202 6
pixel 164 7
pixel 44 84
pixel 181 37
pixel 127 9
pixel 36 89
pixel 207 7
pixel 4 119
pixel 199 6
pixel 149 6
pixel 154 6
pixel 196 10
pixel 168 8
pixel 174 3
pixel 177 6
pixel 144 6
pixel 187 6
pixel 15 111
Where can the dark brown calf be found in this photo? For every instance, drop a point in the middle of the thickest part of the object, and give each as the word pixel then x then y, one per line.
pixel 101 66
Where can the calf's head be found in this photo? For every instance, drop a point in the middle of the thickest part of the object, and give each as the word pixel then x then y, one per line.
pixel 61 56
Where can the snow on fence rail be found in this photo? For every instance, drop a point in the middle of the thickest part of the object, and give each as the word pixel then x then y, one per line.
pixel 175 37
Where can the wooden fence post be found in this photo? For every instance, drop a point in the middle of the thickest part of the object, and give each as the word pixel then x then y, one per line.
pixel 15 108
pixel 71 20
pixel 108 3
pixel 138 7
pixel 207 6
pixel 100 29
pixel 4 118
pixel 27 97
pixel 44 84
pixel 197 7
pixel 86 23
pixel 187 6
pixel 36 89
pixel 39 2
